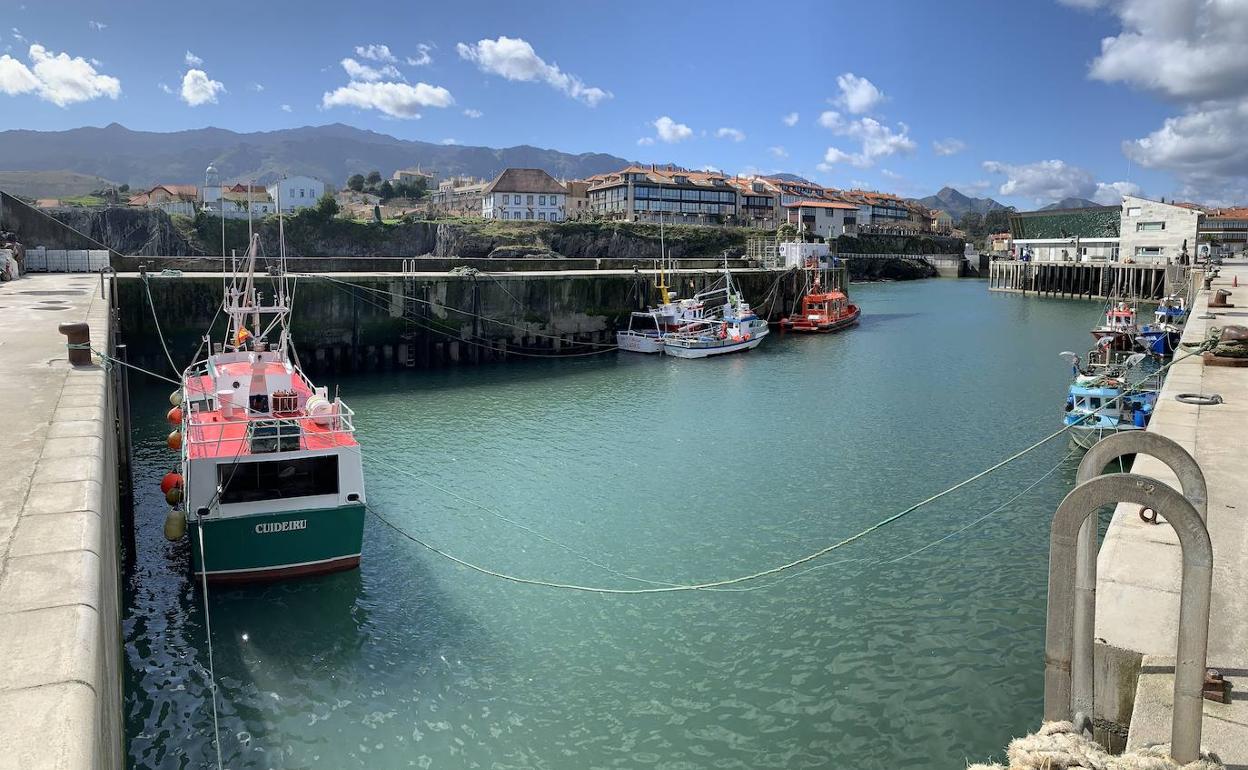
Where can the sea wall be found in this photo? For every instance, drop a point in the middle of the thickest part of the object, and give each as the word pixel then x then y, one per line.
pixel 348 322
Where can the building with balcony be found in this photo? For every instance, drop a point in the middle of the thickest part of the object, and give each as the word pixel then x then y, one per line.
pixel 458 196
pixel 669 194
pixel 758 202
pixel 1225 230
pixel 524 193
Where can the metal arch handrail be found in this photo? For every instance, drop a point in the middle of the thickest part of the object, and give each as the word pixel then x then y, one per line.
pixel 1105 451
pixel 1194 597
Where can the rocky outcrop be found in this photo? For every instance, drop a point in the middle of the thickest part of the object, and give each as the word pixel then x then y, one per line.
pixel 890 270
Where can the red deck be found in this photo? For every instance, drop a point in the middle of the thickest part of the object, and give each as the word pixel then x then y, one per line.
pixel 210 434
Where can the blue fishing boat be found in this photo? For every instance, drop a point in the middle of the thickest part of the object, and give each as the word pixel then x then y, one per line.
pixel 1101 400
pixel 1161 338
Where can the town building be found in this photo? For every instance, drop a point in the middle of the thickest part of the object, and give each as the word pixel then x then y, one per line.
pixel 885 213
pixel 794 191
pixel 296 192
pixel 241 205
pixel 942 221
pixel 1155 231
pixel 1225 231
pixel 169 198
pixel 578 199
pixel 999 243
pixel 824 219
pixel 412 176
pixel 1066 235
pixel 524 193
pixel 758 202
pixel 668 194
pixel 458 196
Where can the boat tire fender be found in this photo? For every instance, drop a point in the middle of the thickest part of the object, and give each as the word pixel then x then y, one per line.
pixel 1199 399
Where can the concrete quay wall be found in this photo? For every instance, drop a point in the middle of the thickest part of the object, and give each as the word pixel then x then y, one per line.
pixel 60 597
pixel 455 319
pixel 1138 567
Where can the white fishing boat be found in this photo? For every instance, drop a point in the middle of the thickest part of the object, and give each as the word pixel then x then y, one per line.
pixel 730 327
pixel 646 328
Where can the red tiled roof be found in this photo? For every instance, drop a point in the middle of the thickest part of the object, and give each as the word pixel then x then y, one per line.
pixel 821 205
pixel 1238 212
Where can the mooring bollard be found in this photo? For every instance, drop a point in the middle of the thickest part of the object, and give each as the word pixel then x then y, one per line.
pixel 78 342
pixel 1194 594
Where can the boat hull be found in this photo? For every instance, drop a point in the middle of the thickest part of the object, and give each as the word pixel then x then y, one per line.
pixel 680 351
pixel 1160 342
pixel 806 326
pixel 1086 438
pixel 639 343
pixel 273 546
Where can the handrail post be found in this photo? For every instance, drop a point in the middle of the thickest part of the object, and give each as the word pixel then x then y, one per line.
pixel 1194 598
pixel 1191 481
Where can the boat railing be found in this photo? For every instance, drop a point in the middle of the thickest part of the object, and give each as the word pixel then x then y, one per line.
pixel 266 432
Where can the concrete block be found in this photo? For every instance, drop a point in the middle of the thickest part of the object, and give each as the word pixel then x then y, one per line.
pixel 43 647
pixel 55 532
pixel 54 469
pixel 73 413
pixel 62 428
pixel 50 580
pixel 64 496
pixel 74 446
pixel 46 728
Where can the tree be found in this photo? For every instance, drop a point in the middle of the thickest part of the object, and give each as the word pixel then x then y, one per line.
pixel 374 178
pixel 125 188
pixel 972 223
pixel 386 190
pixel 997 221
pixel 356 183
pixel 786 231
pixel 327 207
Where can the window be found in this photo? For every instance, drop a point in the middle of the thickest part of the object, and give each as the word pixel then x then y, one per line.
pixel 541 215
pixel 1148 251
pixel 1149 227
pixel 1095 402
pixel 517 199
pixel 528 215
pixel 504 215
pixel 1133 211
pixel 530 201
pixel 247 482
pixel 541 200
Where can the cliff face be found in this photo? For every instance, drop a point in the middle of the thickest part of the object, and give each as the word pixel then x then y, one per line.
pixel 121 228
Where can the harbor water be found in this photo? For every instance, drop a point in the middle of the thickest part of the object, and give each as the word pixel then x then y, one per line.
pixel 917 646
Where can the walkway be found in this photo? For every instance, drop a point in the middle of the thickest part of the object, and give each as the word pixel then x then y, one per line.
pixel 1138 566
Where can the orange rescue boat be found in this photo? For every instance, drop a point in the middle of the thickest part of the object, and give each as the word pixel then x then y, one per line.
pixel 823 312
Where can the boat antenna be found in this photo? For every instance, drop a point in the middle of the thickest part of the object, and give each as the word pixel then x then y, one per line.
pixel 664 294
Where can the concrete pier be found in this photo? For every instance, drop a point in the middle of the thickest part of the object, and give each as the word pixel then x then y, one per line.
pixel 1088 280
pixel 60 632
pixel 1139 564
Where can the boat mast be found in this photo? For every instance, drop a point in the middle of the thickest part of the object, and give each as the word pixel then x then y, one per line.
pixel 665 296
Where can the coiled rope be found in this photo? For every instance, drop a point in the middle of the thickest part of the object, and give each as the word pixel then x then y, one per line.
pixel 1061 746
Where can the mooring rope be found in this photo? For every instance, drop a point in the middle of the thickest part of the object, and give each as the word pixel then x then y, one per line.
pixel 159 334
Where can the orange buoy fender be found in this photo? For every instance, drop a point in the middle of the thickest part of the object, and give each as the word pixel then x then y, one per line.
pixel 171 480
pixel 174 416
pixel 174 441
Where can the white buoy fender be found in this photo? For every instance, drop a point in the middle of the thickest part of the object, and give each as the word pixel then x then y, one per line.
pixel 175 524
pixel 320 410
pixel 175 398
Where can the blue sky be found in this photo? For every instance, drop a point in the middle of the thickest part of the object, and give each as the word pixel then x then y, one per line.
pixel 1018 100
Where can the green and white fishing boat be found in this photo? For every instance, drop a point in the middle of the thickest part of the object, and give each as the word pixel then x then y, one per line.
pixel 271 469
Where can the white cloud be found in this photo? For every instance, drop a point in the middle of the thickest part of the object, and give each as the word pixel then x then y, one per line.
pixel 1045 180
pixel 257 87
pixel 422 57
pixel 948 146
pixel 877 140
pixel 670 131
pixel 645 141
pixel 198 88
pixel 514 59
pixel 734 134
pixel 56 77
pixel 96 25
pixel 778 152
pixel 363 72
pixel 858 95
pixel 1110 193
pixel 17 35
pixel 888 174
pixel 398 100
pixel 379 53
pixel 790 120
pixel 474 114
pixel 712 169
pixel 449 140
pixel 192 60
pixel 287 108
pixel 164 87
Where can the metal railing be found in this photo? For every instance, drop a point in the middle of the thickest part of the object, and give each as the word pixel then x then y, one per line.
pixel 270 433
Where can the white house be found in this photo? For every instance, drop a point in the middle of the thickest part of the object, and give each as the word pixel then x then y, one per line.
pixel 296 192
pixel 826 219
pixel 525 193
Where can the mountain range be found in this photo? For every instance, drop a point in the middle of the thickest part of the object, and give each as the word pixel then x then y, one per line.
pixel 1071 203
pixel 957 204
pixel 331 153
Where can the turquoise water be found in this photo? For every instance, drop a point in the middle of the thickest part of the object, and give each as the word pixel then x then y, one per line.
pixel 882 656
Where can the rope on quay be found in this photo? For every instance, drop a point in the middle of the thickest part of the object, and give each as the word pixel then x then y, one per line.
pixel 156 320
pixel 1061 746
pixel 715 584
